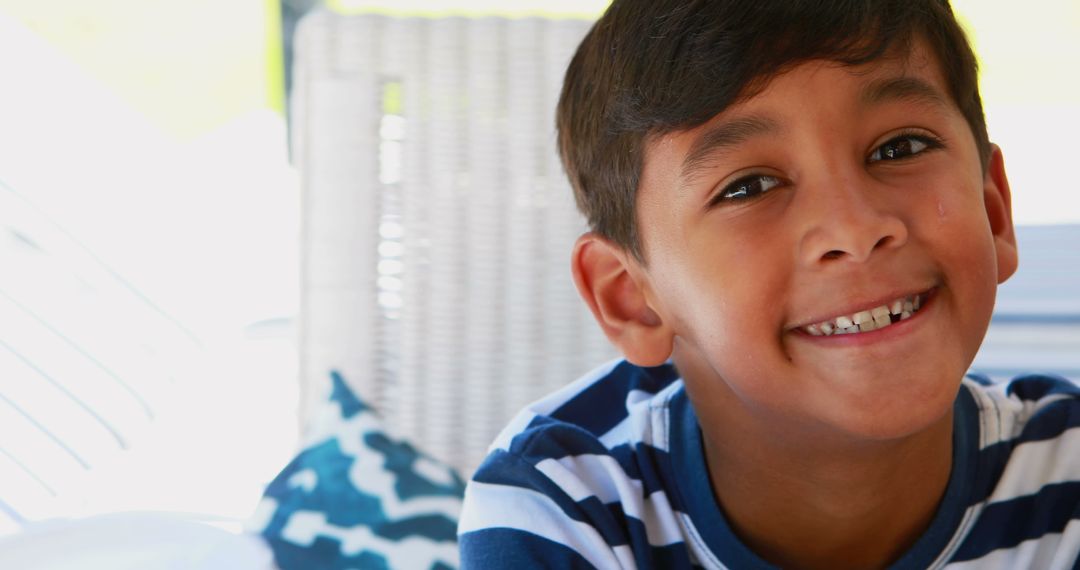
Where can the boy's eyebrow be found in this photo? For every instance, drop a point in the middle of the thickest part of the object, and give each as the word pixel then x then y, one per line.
pixel 902 88
pixel 723 136
pixel 737 131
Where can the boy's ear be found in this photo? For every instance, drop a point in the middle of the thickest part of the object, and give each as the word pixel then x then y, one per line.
pixel 609 280
pixel 998 200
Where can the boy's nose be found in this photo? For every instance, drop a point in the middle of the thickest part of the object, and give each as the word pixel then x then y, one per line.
pixel 849 222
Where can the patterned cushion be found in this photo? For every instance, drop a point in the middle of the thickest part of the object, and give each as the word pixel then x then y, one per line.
pixel 356 497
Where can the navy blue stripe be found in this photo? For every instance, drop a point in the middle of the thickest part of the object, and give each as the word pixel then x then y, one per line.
pixel 502 468
pixel 601 406
pixel 495 548
pixel 1051 421
pixel 610 520
pixel 555 440
pixel 1008 523
pixel 647 556
pixel 644 463
pixel 1037 386
pixel 668 480
pixel 991 464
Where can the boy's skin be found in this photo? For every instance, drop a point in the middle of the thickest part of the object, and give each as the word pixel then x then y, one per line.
pixel 829 451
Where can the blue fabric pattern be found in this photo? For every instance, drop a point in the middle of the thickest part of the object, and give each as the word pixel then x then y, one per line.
pixel 355 497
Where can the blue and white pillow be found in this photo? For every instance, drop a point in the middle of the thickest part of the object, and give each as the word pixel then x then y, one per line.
pixel 358 498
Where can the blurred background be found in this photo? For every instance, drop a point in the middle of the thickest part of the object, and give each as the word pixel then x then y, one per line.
pixel 150 233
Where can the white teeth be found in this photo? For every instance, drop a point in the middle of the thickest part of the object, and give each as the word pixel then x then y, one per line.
pixel 865 321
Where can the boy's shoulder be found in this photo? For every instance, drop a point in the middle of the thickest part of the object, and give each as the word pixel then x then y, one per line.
pixel 602 408
pixel 1024 487
pixel 582 478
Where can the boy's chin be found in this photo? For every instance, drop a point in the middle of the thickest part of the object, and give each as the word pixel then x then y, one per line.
pixel 892 417
pixel 888 402
pixel 890 428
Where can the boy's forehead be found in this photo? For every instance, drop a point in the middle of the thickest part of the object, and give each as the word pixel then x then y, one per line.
pixel 910 73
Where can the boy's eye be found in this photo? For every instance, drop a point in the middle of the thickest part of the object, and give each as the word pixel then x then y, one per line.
pixel 746 188
pixel 902 147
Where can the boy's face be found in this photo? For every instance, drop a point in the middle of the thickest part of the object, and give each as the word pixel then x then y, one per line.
pixel 833 191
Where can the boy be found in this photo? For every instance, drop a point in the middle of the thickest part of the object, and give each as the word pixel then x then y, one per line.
pixel 798 229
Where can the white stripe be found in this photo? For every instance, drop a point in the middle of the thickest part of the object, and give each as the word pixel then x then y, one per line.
pixel 1035 464
pixel 504 506
pixel 658 432
pixel 995 410
pixel 1049 552
pixel 584 476
pixel 647 420
pixel 1068 550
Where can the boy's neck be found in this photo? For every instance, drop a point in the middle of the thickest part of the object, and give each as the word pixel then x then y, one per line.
pixel 799 505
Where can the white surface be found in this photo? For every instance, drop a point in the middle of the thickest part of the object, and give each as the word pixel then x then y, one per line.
pixel 132 541
pixel 204 235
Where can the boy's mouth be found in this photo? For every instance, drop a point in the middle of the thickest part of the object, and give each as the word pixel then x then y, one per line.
pixel 869 320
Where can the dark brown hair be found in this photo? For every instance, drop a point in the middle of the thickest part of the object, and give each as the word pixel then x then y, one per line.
pixel 651 67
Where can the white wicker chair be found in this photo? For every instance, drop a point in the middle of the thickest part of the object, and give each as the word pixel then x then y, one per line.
pixel 438 225
pixel 437 221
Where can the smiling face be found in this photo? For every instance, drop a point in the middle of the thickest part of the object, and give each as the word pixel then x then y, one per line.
pixel 833 192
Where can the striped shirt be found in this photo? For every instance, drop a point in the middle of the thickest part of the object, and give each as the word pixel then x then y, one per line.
pixel 608 473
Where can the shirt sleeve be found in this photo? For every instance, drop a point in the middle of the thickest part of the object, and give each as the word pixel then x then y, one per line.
pixel 514 516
